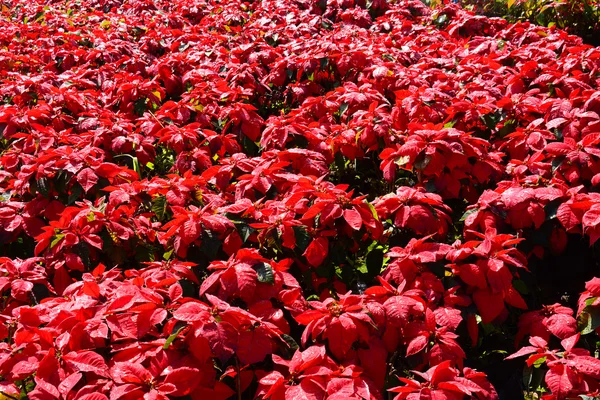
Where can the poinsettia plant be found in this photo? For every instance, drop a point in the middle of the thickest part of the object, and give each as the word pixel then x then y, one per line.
pixel 294 199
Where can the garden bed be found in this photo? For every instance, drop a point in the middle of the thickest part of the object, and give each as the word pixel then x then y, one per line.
pixel 293 199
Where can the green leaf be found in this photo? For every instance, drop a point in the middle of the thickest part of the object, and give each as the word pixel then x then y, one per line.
pixel 139 107
pixel 558 134
pixel 302 238
pixel 450 124
pixel 467 213
pixel 57 239
pixel 363 269
pixel 210 245
pixel 520 286
pixel 244 230
pixel 373 211
pixel 165 158
pixel 290 342
pixel 539 362
pixel 527 376
pixel 249 146
pixel 265 273
pixel 136 165
pixel 173 336
pixel 76 193
pixel 556 163
pixel 402 161
pixel 159 206
pixel 423 162
pixel 508 128
pixel 323 61
pixel 344 273
pixel 42 186
pixel 168 254
pixel 589 320
pixel 441 20
pixel 5 196
pixel 343 108
pixel 116 253
pixel 144 253
pixel 533 378
pixel 326 271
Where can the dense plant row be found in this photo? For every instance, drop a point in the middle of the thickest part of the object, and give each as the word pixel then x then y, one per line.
pixel 340 199
pixel 580 17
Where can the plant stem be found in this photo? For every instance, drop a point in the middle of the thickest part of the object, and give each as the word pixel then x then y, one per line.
pixel 8 396
pixel 238 379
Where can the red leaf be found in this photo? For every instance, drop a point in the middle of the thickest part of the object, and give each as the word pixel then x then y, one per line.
pixel 449 317
pixel 473 329
pixel 222 338
pixel 399 308
pixel 69 383
pixel 473 275
pixel 87 179
pixel 560 380
pixel 513 298
pixel 557 148
pixel 524 351
pixel 353 218
pixel 341 336
pixel 108 170
pixel 93 396
pixel 416 345
pixel 562 325
pixel 591 219
pixel 490 305
pixel 307 316
pixel 185 379
pixel 593 286
pixel 317 251
pixel 570 342
pixel 254 345
pixel 87 361
pixel 128 372
pixel 302 360
pixel 192 311
pixel 567 217
pixel 588 365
